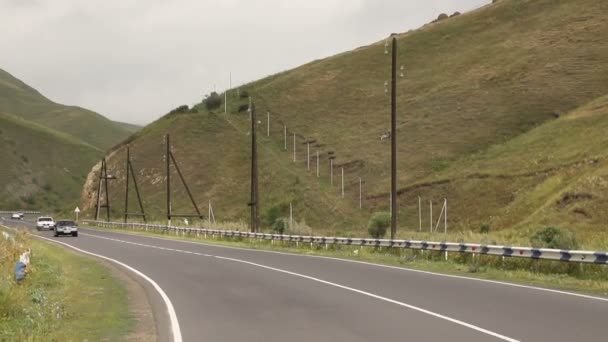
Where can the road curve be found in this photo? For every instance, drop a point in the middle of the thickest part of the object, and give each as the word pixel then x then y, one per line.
pixel 228 294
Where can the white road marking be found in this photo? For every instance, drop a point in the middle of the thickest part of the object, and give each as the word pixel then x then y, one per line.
pixel 412 307
pixel 175 329
pixel 497 282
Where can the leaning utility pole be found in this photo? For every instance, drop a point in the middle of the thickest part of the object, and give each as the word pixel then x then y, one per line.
pixel 131 172
pixel 103 178
pixel 254 172
pixel 394 142
pixel 171 158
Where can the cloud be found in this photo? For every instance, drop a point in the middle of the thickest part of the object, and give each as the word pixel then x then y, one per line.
pixel 133 60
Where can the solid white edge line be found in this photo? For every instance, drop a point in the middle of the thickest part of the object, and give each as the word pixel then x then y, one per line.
pixel 412 307
pixel 175 330
pixel 489 281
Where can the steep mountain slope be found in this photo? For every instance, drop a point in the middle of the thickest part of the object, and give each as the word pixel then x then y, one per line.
pixel 41 168
pixel 19 99
pixel 478 107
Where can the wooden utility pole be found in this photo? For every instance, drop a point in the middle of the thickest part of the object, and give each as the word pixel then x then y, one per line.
pixel 254 172
pixel 394 142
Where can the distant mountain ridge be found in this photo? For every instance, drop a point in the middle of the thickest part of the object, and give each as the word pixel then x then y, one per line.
pixel 19 99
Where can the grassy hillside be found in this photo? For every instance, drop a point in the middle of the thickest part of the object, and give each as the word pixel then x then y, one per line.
pixel 477 124
pixel 22 100
pixel 41 168
pixel 132 128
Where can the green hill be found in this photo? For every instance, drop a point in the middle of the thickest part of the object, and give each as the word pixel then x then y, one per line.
pixel 41 168
pixel 19 99
pixel 132 128
pixel 477 125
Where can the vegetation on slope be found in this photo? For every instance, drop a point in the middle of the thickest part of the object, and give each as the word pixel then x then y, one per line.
pixel 478 108
pixel 41 168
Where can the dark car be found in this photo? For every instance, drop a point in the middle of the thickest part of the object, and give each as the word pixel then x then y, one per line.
pixel 66 228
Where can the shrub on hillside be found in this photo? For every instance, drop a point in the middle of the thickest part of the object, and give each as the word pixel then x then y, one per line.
pixel 280 225
pixel 378 224
pixel 442 16
pixel 183 109
pixel 212 101
pixel 484 228
pixel 243 108
pixel 272 214
pixel 552 237
pixel 244 94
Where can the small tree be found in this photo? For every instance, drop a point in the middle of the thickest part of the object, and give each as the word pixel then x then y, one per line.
pixel 378 224
pixel 280 225
pixel 212 101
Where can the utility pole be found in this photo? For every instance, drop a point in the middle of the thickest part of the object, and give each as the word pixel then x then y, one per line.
pixel 342 182
pixel 103 179
pixel 254 171
pixel 317 163
pixel 168 160
pixel 130 172
pixel 360 193
pixel 308 155
pixel 268 125
pixel 285 134
pixel 127 185
pixel 331 171
pixel 419 214
pixel 394 142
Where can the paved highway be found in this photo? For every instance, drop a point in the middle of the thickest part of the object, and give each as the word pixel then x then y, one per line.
pixel 229 294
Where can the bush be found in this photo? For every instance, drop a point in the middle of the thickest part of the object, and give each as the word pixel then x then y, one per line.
pixel 183 109
pixel 378 224
pixel 552 237
pixel 244 94
pixel 212 101
pixel 280 225
pixel 243 108
pixel 442 16
pixel 273 213
pixel 484 228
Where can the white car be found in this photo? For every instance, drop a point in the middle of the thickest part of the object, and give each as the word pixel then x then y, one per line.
pixel 17 216
pixel 45 223
pixel 66 228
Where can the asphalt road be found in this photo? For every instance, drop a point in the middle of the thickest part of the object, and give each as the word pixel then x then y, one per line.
pixel 228 294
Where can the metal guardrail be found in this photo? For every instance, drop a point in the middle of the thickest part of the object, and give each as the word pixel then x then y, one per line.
pixel 20 211
pixel 453 247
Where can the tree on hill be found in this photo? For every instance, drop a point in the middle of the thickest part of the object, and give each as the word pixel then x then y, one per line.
pixel 212 101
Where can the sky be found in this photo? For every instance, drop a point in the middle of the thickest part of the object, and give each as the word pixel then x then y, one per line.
pixel 134 60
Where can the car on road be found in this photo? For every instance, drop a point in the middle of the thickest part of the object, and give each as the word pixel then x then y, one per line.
pixel 45 222
pixel 66 228
pixel 17 216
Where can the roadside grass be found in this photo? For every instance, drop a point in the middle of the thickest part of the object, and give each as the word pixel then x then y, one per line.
pixel 550 274
pixel 65 296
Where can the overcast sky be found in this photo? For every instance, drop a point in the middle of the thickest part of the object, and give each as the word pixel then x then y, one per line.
pixel 134 60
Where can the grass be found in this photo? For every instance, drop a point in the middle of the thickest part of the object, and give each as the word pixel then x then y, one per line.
pixel 550 274
pixel 475 125
pixel 65 297
pixel 42 168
